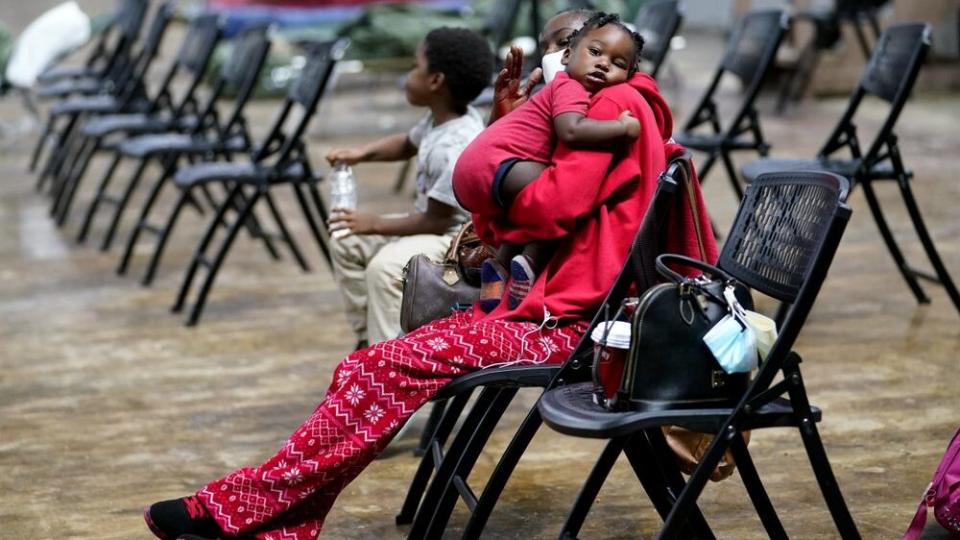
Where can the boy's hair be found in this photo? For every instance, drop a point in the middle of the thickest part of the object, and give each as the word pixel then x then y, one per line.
pixel 602 19
pixel 464 58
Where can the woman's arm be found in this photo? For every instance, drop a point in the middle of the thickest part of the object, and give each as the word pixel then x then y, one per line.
pixel 395 147
pixel 577 130
pixel 438 219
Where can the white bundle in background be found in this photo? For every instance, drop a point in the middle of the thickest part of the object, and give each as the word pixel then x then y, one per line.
pixel 56 32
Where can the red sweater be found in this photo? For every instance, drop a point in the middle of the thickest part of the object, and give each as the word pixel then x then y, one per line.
pixel 591 203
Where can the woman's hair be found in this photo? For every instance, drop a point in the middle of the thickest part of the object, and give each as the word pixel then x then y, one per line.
pixel 600 19
pixel 464 58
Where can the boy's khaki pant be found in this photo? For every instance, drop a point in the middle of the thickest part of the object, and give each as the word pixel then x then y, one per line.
pixel 369 270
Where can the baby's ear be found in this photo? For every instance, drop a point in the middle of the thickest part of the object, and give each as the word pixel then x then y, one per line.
pixel 565 59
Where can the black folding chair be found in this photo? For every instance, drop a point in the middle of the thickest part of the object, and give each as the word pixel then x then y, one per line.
pixel 164 112
pixel 429 508
pixel 210 140
pixel 113 79
pixel 889 76
pixel 749 55
pixel 782 243
pixel 658 22
pixel 111 55
pixel 280 159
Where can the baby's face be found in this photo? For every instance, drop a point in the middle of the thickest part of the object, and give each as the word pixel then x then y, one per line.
pixel 601 58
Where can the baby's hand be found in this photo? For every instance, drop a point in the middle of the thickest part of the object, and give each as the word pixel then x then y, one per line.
pixel 630 124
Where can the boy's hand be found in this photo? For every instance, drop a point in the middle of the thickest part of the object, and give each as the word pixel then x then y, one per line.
pixel 507 93
pixel 630 124
pixel 350 156
pixel 352 222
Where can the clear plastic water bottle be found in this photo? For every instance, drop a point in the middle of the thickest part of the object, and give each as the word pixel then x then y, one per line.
pixel 343 187
pixel 343 192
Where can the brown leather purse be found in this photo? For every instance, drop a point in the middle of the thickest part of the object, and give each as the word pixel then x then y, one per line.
pixel 433 290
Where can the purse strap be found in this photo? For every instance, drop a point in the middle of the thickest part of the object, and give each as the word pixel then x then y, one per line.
pixel 683 260
pixel 450 257
pixel 695 210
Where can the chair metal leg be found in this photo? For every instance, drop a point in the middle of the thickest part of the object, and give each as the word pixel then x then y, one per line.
pixel 142 222
pixel 447 467
pixel 164 236
pixel 501 474
pixel 74 179
pixel 252 224
pixel 464 465
pixel 38 148
pixel 687 499
pixel 436 414
pixel 121 205
pixel 55 155
pixel 61 178
pixel 285 233
pixel 450 414
pixel 588 493
pixel 918 224
pixel 704 169
pixel 751 480
pixel 98 197
pixel 818 457
pixel 732 174
pixel 213 267
pixel 655 466
pixel 402 176
pixel 892 246
pixel 202 247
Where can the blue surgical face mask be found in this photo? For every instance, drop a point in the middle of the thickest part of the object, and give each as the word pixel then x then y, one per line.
pixel 552 64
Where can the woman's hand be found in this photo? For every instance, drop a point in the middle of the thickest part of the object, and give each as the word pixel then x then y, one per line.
pixel 630 124
pixel 352 222
pixel 350 156
pixel 507 93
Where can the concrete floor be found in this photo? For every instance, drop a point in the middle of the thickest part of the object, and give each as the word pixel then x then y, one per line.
pixel 107 402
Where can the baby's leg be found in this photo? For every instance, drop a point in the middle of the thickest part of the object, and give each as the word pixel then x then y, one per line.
pixel 519 176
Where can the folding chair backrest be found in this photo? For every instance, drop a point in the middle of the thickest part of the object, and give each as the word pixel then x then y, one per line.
pixel 198 45
pixel 753 45
pixel 783 240
pixel 304 94
pixel 130 18
pixel 137 69
pixel 499 24
pixel 657 22
pixel 889 75
pixel 240 74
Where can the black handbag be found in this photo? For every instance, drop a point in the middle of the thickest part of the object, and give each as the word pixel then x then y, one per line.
pixel 668 364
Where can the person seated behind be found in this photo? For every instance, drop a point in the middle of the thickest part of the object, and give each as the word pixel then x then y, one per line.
pixel 513 152
pixel 452 67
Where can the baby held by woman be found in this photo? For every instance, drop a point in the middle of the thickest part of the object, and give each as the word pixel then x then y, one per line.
pixel 512 152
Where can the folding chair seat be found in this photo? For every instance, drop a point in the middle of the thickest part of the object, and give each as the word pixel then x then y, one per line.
pixel 428 508
pixel 748 56
pixel 658 22
pixel 124 91
pixel 209 139
pixel 86 85
pixel 889 76
pixel 164 112
pixel 280 159
pixel 782 242
pixel 112 71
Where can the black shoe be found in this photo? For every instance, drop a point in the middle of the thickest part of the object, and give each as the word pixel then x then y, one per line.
pixel 174 518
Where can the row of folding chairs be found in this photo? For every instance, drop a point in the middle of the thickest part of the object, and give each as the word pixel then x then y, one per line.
pixel 200 140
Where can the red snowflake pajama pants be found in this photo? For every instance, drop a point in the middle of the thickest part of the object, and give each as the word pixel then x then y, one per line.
pixel 374 391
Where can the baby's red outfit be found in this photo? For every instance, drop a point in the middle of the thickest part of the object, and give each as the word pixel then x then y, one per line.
pixel 526 134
